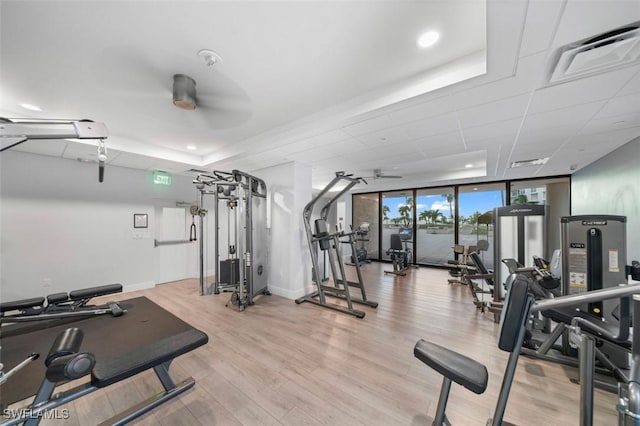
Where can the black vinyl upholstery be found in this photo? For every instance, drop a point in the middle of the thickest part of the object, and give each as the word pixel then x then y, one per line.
pixel 516 311
pixel 95 291
pixel 459 368
pixel 123 346
pixel 395 242
pixel 18 305
pixel 480 266
pixel 131 363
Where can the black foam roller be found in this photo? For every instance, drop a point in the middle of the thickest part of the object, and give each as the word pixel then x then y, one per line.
pixel 66 343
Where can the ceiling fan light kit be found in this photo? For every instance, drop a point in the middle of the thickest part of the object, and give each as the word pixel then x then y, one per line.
pixel 184 92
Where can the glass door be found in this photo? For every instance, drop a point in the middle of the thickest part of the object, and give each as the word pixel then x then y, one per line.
pixel 435 227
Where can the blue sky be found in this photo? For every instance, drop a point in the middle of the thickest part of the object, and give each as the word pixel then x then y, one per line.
pixel 470 202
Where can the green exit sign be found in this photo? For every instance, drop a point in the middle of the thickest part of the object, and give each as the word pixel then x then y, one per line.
pixel 161 178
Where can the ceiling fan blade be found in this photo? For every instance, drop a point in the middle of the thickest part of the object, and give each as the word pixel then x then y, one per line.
pixel 389 177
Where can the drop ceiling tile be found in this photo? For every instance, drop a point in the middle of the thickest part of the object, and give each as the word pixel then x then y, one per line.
pixel 491 143
pixel 528 76
pixel 298 146
pixel 621 105
pixel 330 137
pixel 577 116
pixel 437 145
pixel 500 110
pixel 552 134
pixel 533 151
pixel 633 86
pixel 391 135
pixel 507 129
pixel 613 123
pixel 368 126
pixel 540 26
pixel 585 19
pixel 581 91
pixel 422 111
pixel 444 123
pixel 604 140
pixel 501 27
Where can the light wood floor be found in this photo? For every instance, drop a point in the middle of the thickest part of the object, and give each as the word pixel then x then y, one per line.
pixel 279 363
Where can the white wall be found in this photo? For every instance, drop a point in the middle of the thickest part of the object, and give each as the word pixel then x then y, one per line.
pixel 289 190
pixel 62 230
pixel 611 185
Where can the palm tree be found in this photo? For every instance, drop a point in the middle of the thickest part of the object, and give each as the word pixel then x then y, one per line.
pixel 431 216
pixel 473 219
pixel 449 198
pixel 385 211
pixel 406 211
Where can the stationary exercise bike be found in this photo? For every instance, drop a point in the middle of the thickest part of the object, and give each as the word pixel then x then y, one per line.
pixel 361 233
pixel 400 253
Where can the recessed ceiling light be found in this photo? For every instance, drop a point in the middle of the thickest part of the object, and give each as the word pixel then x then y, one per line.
pixel 475 189
pixel 192 147
pixel 428 39
pixel 31 107
pixel 468 166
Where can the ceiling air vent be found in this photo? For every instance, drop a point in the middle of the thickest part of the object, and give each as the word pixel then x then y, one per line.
pixel 613 49
pixel 526 163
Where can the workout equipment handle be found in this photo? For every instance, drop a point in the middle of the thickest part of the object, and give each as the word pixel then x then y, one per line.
pixel 5 376
pixel 587 297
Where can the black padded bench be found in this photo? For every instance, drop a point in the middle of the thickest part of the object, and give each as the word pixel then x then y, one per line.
pixel 19 305
pixel 61 305
pixel 148 337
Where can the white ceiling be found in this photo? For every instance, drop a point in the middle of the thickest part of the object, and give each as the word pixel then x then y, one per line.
pixel 337 85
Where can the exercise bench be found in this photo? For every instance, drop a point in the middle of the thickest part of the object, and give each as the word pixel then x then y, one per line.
pixel 471 374
pixel 61 305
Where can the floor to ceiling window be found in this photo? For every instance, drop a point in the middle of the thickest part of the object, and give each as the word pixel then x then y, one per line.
pixel 397 215
pixel 435 232
pixel 431 226
pixel 475 217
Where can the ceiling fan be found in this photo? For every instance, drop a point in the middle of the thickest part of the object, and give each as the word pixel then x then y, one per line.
pixel 378 174
pixel 149 81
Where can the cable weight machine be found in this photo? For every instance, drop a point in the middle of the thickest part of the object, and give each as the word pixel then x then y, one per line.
pixel 241 198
